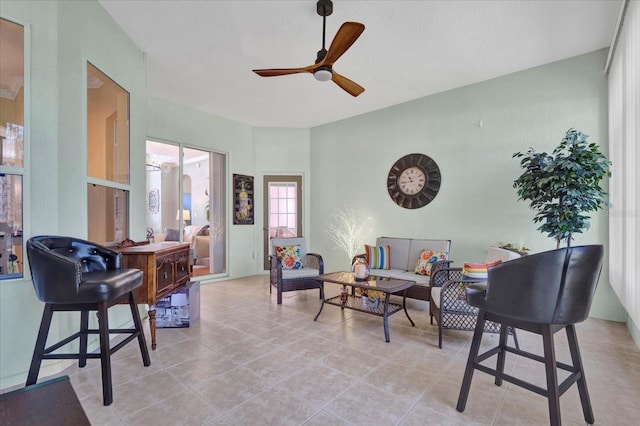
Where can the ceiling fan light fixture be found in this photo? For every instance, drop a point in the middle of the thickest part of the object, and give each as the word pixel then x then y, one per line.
pixel 323 74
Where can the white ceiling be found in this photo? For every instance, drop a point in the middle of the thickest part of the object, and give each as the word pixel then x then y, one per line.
pixel 201 53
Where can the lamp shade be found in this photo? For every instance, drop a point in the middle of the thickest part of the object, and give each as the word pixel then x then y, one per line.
pixel 179 299
pixel 186 215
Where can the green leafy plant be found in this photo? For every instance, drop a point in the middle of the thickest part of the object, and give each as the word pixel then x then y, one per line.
pixel 564 186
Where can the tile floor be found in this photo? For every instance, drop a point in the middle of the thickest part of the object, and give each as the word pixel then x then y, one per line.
pixel 248 361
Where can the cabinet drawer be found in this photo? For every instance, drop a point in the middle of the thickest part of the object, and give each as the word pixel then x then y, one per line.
pixel 182 267
pixel 164 269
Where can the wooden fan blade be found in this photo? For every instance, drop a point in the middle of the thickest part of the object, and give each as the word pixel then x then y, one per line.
pixel 351 87
pixel 274 72
pixel 345 37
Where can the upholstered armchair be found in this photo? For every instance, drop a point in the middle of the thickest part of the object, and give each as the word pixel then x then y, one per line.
pixel 292 268
pixel 448 303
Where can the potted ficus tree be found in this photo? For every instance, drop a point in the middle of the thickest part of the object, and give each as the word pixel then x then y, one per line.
pixel 563 187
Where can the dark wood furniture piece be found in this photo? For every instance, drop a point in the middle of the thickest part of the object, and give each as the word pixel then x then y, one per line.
pixel 542 293
pixel 351 301
pixel 53 403
pixel 74 275
pixel 165 267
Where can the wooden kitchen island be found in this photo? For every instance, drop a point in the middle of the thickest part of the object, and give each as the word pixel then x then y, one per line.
pixel 166 269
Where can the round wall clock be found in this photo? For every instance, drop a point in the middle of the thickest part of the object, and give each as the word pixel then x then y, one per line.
pixel 413 181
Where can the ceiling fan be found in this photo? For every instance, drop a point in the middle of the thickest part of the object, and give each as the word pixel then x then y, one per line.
pixel 322 69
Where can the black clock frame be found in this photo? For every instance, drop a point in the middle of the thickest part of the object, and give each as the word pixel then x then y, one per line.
pixel 427 193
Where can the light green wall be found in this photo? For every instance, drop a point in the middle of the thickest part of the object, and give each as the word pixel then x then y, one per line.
pixel 471 133
pixel 64 35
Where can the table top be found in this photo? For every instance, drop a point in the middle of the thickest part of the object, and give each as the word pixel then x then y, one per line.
pixel 385 284
pixel 153 247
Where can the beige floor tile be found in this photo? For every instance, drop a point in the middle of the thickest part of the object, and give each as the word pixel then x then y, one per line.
pixel 317 384
pixel 364 404
pixel 251 361
pixel 138 394
pixel 276 406
pixel 325 418
pixel 420 416
pixel 231 389
pixel 201 369
pixel 184 408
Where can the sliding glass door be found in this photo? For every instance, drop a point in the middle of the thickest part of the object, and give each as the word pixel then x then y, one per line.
pixel 186 202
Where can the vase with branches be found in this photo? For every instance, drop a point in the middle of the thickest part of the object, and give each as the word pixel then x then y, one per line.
pixel 563 187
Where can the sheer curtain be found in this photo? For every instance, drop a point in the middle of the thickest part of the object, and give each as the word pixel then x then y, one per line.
pixel 624 133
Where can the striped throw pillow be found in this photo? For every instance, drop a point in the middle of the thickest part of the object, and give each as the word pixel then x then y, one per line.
pixel 477 271
pixel 378 257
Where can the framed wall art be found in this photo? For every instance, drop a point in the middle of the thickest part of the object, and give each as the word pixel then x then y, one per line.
pixel 242 199
pixel 154 201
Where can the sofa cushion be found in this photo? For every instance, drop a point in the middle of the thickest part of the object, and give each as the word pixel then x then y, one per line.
pixel 172 234
pixel 384 272
pixel 288 274
pixel 377 256
pixel 426 260
pixel 398 251
pixel 401 275
pixel 290 256
pixel 412 276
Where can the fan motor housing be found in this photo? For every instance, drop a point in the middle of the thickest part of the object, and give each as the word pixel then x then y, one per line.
pixel 324 7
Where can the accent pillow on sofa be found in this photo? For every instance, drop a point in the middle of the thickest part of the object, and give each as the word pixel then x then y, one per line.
pixel 477 271
pixel 427 259
pixel 378 257
pixel 172 235
pixel 290 256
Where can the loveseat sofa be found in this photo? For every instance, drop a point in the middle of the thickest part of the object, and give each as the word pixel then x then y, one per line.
pixel 403 257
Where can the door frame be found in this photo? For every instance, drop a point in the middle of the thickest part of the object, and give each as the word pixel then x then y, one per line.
pixel 266 180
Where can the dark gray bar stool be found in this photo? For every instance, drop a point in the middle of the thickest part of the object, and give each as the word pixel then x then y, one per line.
pixel 542 293
pixel 70 274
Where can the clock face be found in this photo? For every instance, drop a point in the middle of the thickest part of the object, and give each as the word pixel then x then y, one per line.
pixel 413 181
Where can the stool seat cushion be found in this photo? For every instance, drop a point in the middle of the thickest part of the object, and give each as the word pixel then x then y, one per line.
pixel 101 286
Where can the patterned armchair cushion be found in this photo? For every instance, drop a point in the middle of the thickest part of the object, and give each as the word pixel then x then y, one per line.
pixel 291 256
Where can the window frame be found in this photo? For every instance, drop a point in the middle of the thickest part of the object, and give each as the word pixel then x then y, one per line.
pixel 23 171
pixel 111 184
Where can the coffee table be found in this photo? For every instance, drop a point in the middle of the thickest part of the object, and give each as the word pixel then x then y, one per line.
pixel 351 301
